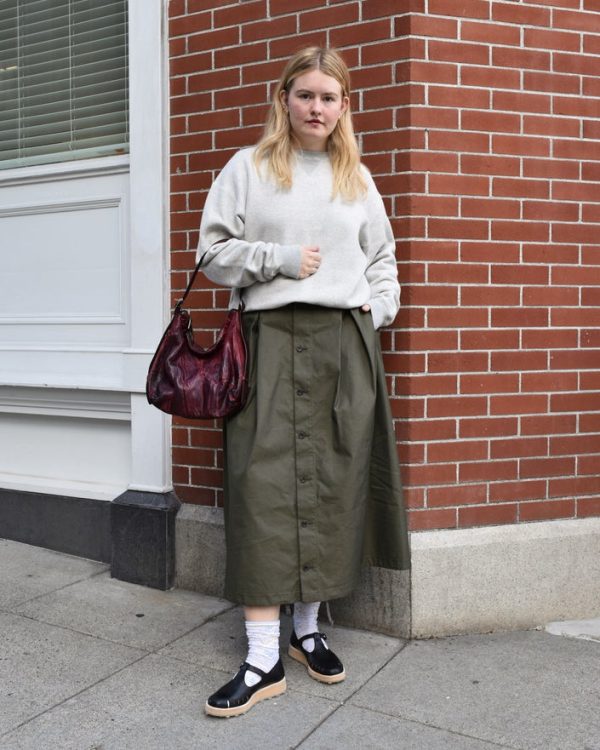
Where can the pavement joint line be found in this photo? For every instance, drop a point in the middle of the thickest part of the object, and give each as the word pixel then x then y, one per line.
pixel 116 672
pixel 74 695
pixel 107 640
pixel 342 703
pixel 393 716
pixel 104 639
pixel 59 553
pixel 435 726
pixel 183 635
pixel 110 640
pixel 421 723
pixel 196 665
pixel 199 625
pixel 82 632
pixel 59 588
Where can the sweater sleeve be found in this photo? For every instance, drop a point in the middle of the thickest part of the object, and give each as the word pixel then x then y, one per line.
pixel 377 240
pixel 228 258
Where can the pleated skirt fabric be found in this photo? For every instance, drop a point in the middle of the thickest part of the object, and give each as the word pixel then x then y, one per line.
pixel 312 483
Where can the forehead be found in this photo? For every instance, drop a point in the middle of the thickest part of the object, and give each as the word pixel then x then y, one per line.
pixel 316 80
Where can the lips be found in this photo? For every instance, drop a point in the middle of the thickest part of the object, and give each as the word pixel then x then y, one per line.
pixel 316 122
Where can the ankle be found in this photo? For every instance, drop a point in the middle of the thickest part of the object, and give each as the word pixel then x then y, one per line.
pixel 263 643
pixel 306 618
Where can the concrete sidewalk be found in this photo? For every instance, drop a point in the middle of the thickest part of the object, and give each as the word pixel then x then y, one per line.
pixel 91 663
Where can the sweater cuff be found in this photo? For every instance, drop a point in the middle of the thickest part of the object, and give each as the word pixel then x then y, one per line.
pixel 287 259
pixel 378 312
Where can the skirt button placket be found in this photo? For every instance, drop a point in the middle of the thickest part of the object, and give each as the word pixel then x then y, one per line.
pixel 306 501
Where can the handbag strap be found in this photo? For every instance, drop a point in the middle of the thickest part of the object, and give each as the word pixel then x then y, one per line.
pixel 191 283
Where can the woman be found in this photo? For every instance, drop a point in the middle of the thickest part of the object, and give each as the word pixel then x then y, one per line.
pixel 296 227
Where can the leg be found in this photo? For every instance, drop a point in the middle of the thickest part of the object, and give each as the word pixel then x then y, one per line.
pixel 255 614
pixel 262 629
pixel 305 620
pixel 309 646
pixel 261 675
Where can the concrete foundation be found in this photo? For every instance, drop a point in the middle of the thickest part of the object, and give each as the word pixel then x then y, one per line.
pixel 504 577
pixel 474 580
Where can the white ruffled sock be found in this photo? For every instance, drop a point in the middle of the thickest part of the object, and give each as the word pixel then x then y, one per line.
pixel 305 622
pixel 263 647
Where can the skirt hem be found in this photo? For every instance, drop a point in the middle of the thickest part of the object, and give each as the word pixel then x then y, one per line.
pixel 262 600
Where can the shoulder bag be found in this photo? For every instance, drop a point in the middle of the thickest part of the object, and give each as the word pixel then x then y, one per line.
pixel 187 380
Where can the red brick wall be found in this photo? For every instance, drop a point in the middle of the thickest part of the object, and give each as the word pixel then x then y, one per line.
pixel 479 121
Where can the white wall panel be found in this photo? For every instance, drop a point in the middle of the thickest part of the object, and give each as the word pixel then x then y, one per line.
pixel 68 255
pixel 81 457
pixel 64 253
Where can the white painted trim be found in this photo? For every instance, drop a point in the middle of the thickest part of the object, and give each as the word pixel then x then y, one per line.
pixel 52 207
pixel 87 490
pixel 60 402
pixel 91 203
pixel 149 222
pixel 113 368
pixel 64 170
pixel 12 347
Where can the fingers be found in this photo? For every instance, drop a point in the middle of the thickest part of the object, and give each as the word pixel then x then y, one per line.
pixel 310 261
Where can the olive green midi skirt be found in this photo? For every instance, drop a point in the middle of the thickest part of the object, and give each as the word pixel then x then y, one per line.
pixel 312 482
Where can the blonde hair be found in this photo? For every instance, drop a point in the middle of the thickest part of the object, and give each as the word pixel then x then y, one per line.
pixel 279 143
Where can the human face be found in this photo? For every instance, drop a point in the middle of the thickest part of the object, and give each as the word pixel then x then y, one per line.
pixel 315 104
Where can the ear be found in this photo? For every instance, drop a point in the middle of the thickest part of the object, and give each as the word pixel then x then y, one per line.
pixel 283 95
pixel 345 103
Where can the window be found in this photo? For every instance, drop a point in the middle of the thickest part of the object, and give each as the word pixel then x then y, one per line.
pixel 63 80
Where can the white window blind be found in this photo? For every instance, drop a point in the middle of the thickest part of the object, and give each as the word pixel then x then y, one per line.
pixel 63 80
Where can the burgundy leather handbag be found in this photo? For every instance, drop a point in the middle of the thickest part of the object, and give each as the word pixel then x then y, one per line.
pixel 189 381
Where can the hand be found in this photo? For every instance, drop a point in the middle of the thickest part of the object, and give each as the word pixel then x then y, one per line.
pixel 365 308
pixel 310 260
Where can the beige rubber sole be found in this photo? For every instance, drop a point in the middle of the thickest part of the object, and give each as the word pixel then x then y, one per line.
pixel 328 678
pixel 270 691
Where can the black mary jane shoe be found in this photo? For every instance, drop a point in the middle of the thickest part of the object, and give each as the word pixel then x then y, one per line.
pixel 322 664
pixel 236 697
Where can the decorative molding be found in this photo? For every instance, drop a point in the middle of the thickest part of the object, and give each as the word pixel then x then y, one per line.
pixel 64 487
pixel 62 402
pixel 110 369
pixel 29 209
pixel 12 347
pixel 103 165
pixel 80 320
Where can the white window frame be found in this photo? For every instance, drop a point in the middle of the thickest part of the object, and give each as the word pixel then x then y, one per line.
pixel 149 222
pixel 148 165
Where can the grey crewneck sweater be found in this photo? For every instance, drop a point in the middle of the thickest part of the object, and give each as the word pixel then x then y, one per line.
pixel 252 231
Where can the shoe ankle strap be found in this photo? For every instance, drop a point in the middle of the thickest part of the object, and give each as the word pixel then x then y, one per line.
pixel 251 668
pixel 316 634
